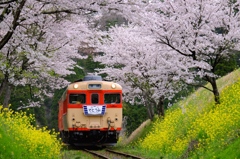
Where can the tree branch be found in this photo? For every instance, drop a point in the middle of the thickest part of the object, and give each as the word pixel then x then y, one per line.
pixel 7 2
pixel 5 11
pixel 199 85
pixel 16 16
pixel 167 42
pixel 70 11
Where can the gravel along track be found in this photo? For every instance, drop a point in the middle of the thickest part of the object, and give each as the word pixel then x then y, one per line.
pixel 110 154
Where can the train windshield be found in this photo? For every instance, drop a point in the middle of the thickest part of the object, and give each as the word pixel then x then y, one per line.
pixel 77 98
pixel 112 98
pixel 94 98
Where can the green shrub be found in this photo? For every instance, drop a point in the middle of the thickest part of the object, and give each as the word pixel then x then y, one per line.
pixel 198 127
pixel 19 139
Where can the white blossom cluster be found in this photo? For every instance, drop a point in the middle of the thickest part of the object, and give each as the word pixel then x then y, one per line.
pixel 164 44
pixel 169 41
pixel 43 42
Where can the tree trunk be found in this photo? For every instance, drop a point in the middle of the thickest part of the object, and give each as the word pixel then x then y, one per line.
pixel 15 23
pixel 7 96
pixel 160 106
pixel 3 86
pixel 150 110
pixel 215 91
pixel 148 105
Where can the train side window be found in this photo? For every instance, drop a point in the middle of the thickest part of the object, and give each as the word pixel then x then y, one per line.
pixel 111 98
pixel 77 98
pixel 94 98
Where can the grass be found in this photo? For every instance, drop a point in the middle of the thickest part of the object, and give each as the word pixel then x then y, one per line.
pixel 73 154
pixel 19 139
pixel 140 132
pixel 230 152
pixel 196 127
pixel 193 128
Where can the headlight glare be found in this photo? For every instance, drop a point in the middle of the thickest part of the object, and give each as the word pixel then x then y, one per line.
pixel 75 86
pixel 113 86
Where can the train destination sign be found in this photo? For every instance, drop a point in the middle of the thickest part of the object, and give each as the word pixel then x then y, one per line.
pixel 94 110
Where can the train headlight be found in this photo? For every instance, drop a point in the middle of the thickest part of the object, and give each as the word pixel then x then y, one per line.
pixel 75 86
pixel 113 86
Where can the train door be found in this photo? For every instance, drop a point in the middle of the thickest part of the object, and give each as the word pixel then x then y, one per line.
pixel 95 120
pixel 94 98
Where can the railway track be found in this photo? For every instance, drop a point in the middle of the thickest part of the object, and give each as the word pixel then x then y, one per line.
pixel 110 154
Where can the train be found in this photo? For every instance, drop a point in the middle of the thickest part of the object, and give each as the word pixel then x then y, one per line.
pixel 90 112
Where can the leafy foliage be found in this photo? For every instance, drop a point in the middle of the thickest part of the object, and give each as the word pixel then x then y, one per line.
pixel 165 43
pixel 38 45
pixel 227 65
pixel 190 38
pixel 196 127
pixel 136 114
pixel 19 139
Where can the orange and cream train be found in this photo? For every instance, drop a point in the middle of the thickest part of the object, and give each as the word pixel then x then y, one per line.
pixel 90 112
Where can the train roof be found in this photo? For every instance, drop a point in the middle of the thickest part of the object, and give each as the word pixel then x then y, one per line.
pixel 90 78
pixel 91 82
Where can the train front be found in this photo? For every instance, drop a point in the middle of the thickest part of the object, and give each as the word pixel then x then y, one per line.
pixel 90 112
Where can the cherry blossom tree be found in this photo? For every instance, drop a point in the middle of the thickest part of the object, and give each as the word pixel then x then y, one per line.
pixel 39 41
pixel 147 73
pixel 203 32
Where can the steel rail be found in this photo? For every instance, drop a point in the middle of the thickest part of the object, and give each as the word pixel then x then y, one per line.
pixel 96 154
pixel 124 154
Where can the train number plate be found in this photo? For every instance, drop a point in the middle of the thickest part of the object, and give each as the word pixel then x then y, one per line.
pixel 94 110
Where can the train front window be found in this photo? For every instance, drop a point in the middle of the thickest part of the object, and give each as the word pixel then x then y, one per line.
pixel 77 98
pixel 111 98
pixel 94 98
